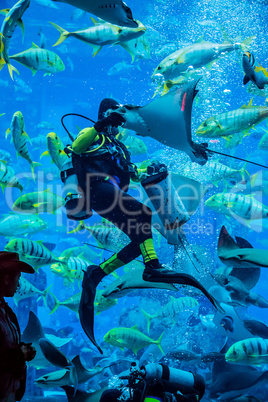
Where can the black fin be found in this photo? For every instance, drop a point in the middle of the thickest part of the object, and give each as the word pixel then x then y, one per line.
pixel 246 80
pixel 242 243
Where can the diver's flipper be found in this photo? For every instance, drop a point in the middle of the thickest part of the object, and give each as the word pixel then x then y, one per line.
pixel 92 278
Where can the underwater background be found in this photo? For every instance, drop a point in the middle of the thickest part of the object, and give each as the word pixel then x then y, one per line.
pixel 86 80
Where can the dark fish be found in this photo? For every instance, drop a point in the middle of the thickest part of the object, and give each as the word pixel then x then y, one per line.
pixel 253 71
pixel 182 355
pixel 227 323
pixel 212 357
pixel 256 328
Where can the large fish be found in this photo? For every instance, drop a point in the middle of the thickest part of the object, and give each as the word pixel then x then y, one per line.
pixel 167 120
pixel 12 19
pixel 249 351
pixel 130 338
pixel 37 59
pixel 18 225
pixel 232 255
pixel 232 122
pixel 101 34
pixel 196 55
pixel 253 71
pixel 27 289
pixel 115 11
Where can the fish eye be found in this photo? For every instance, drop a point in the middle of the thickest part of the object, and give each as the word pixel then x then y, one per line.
pixel 235 353
pixel 158 68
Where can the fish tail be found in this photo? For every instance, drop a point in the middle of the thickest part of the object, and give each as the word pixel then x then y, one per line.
pixel 63 34
pixel 45 294
pixel 81 226
pixel 57 304
pixel 149 318
pixel 245 44
pixel 158 342
pixel 243 171
pixel 11 69
pixel 33 165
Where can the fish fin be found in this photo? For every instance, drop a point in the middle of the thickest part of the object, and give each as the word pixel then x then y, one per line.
pixel 34 46
pixel 96 50
pixel 33 165
pixel 262 69
pixel 21 25
pixel 135 327
pixel 5 11
pixel 148 319
pixel 81 226
pixel 95 22
pixel 245 44
pixel 46 153
pixel 63 34
pixel 158 342
pixel 7 132
pixel 11 69
pixel 45 294
pixel 246 80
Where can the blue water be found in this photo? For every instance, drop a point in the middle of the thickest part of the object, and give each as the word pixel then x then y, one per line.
pixel 43 100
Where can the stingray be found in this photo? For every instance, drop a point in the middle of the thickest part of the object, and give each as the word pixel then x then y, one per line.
pixel 231 254
pixel 33 333
pixel 114 11
pixel 83 396
pixel 168 120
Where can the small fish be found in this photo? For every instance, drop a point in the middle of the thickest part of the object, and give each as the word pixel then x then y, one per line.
pixel 75 268
pixel 26 289
pixel 20 224
pixel 122 67
pixel 227 323
pixel 172 309
pixel 256 328
pixel 101 34
pixel 37 202
pixel 37 59
pixel 21 86
pixel 248 351
pixel 241 206
pixel 107 235
pixel 31 251
pixel 212 357
pixel 254 71
pixel 182 355
pixel 55 150
pixel 8 178
pixel 130 338
pixel 19 138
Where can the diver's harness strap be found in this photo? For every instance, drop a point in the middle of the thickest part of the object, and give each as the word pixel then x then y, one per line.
pixel 116 148
pixel 64 174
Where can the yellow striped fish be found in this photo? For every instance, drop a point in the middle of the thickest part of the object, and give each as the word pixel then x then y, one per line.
pixel 172 309
pixel 236 121
pixel 8 178
pixel 101 34
pixel 130 338
pixel 55 150
pixel 11 21
pixel 74 269
pixel 37 202
pixel 26 289
pixel 20 224
pixel 244 206
pixel 20 138
pixel 37 59
pixel 248 351
pixel 31 251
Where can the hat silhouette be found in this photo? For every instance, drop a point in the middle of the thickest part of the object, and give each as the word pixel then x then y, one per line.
pixel 10 262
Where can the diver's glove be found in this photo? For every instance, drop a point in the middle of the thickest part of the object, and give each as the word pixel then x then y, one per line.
pixel 114 119
pixel 155 168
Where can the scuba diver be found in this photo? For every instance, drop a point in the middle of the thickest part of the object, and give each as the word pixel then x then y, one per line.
pixel 102 168
pixel 156 383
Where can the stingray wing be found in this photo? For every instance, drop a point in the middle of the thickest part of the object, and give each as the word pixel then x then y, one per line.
pixel 120 14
